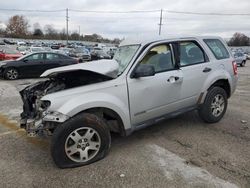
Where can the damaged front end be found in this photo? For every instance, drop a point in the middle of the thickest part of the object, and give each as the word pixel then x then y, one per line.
pixel 34 109
pixel 36 117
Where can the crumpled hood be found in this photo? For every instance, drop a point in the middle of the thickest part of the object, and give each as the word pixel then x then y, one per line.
pixel 108 68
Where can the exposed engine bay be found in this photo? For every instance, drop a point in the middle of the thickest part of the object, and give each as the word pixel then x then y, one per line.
pixel 34 107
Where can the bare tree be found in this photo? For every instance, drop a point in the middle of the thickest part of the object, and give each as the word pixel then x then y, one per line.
pixel 17 26
pixel 50 32
pixel 74 36
pixel 63 34
pixel 37 30
pixel 239 39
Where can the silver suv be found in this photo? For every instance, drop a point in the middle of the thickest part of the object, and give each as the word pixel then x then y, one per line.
pixel 146 82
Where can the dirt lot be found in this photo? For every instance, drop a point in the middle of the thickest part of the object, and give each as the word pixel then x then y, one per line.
pixel 180 152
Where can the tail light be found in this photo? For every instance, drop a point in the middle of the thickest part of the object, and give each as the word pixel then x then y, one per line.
pixel 235 69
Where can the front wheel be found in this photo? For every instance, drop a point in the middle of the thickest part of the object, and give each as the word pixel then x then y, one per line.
pixel 81 140
pixel 214 106
pixel 11 74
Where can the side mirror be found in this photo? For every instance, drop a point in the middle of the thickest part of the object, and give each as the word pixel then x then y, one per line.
pixel 25 60
pixel 144 71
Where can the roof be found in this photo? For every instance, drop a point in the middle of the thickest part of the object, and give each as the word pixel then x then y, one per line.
pixel 145 40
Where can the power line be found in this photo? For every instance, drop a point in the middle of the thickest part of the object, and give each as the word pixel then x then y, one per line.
pixel 131 11
pixel 208 14
pixel 31 10
pixel 115 12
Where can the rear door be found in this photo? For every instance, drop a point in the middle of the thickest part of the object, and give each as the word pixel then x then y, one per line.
pixel 52 60
pixel 196 67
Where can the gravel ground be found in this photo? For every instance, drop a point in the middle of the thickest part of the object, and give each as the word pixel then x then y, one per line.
pixel 180 152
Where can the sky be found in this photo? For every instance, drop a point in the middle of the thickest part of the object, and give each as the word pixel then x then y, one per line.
pixel 123 25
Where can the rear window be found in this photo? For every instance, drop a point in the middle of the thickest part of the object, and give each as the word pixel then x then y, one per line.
pixel 218 48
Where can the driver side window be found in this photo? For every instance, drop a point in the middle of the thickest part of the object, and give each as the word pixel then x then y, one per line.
pixel 160 57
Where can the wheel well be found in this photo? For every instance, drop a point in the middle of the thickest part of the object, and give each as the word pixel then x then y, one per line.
pixel 223 83
pixel 112 119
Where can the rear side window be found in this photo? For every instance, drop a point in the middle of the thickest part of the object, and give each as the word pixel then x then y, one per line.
pixel 191 53
pixel 218 48
pixel 52 56
pixel 63 57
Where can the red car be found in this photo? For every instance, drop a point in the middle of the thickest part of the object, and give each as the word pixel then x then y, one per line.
pixel 9 54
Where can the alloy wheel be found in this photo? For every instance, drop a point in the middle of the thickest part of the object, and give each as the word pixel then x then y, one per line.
pixel 82 144
pixel 12 74
pixel 217 105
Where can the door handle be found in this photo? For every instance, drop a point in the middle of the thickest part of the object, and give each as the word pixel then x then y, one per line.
pixel 174 79
pixel 207 69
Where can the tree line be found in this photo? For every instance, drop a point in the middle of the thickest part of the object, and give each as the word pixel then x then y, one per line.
pixel 239 39
pixel 18 27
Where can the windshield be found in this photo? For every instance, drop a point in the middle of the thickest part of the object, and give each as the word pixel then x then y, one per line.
pixel 124 54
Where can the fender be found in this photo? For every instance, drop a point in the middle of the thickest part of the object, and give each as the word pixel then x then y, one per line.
pixel 212 78
pixel 86 101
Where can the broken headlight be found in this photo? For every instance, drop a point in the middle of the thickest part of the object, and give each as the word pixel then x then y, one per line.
pixel 55 117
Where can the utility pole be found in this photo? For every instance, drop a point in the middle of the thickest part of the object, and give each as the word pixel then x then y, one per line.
pixel 160 24
pixel 67 25
pixel 79 32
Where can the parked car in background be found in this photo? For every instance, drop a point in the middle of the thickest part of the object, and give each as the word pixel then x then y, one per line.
pixel 99 54
pixel 7 53
pixel 110 51
pixel 2 42
pixel 33 65
pixel 55 46
pixel 66 51
pixel 240 58
pixel 10 42
pixel 23 49
pixel 20 43
pixel 82 53
pixel 36 49
pixel 247 55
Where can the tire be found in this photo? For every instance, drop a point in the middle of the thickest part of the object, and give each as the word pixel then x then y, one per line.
pixel 211 111
pixel 11 74
pixel 79 154
pixel 243 64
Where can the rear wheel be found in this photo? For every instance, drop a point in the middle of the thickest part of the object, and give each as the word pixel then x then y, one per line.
pixel 214 106
pixel 81 140
pixel 11 74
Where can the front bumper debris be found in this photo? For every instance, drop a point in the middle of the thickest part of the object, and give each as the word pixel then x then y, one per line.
pixel 43 126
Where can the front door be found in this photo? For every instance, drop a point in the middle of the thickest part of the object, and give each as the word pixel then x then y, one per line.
pixel 153 96
pixel 32 65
